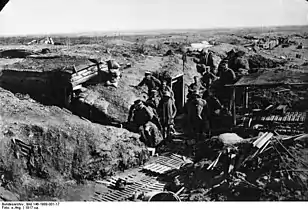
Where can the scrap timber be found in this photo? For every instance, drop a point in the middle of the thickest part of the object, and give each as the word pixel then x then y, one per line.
pixel 269 79
pixel 147 178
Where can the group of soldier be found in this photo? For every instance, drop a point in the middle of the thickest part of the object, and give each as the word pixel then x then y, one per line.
pixel 158 111
pixel 207 108
pixel 209 100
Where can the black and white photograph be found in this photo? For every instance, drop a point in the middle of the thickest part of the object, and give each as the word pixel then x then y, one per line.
pixel 198 101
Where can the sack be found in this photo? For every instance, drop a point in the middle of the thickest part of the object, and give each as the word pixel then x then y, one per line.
pixel 112 83
pixel 230 138
pixel 112 64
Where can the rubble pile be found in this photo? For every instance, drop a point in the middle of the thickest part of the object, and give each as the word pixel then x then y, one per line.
pixel 260 61
pixel 267 167
pixel 261 98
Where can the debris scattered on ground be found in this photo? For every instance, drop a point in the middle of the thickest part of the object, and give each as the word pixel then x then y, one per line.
pixel 267 167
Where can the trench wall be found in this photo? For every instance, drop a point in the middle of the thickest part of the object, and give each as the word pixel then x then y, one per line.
pixel 48 88
pixel 42 86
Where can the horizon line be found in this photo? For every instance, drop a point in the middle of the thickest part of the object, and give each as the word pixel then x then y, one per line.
pixel 145 31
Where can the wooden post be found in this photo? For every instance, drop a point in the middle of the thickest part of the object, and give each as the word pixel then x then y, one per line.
pixel 184 58
pixel 183 92
pixel 246 98
pixel 233 106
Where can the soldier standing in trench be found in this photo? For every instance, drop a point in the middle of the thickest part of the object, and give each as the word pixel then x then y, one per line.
pixel 197 115
pixel 214 107
pixel 164 87
pixel 167 112
pixel 144 119
pixel 195 86
pixel 227 76
pixel 153 101
pixel 207 77
pixel 150 81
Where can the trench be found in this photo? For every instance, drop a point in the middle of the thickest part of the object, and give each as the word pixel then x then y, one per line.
pixel 48 89
pixel 51 88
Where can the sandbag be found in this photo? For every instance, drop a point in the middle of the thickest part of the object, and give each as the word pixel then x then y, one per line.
pixel 112 64
pixel 115 73
pixel 113 83
pixel 230 138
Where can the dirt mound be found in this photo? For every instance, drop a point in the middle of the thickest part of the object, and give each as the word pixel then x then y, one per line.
pixel 84 150
pixel 261 61
pixel 115 102
pixel 222 49
pixel 49 64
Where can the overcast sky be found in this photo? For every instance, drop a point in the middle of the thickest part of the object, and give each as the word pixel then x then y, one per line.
pixel 21 17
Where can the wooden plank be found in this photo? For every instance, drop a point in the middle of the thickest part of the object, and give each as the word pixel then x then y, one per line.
pixel 84 79
pixel 80 72
pixel 259 139
pixel 156 167
pixel 175 162
pixel 233 107
pixel 83 66
pixel 164 169
pixel 161 167
pixel 130 190
pixel 266 144
pixel 148 166
pixel 276 118
pixel 264 140
pixel 88 72
pixel 96 199
pixel 288 118
pixel 284 119
pixel 112 180
pixel 169 165
pixel 79 77
pixel 107 198
pixel 84 74
pixel 180 157
pixel 246 98
pixel 110 196
pixel 104 199
pixel 268 118
pixel 114 195
pixel 159 171
pixel 119 193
